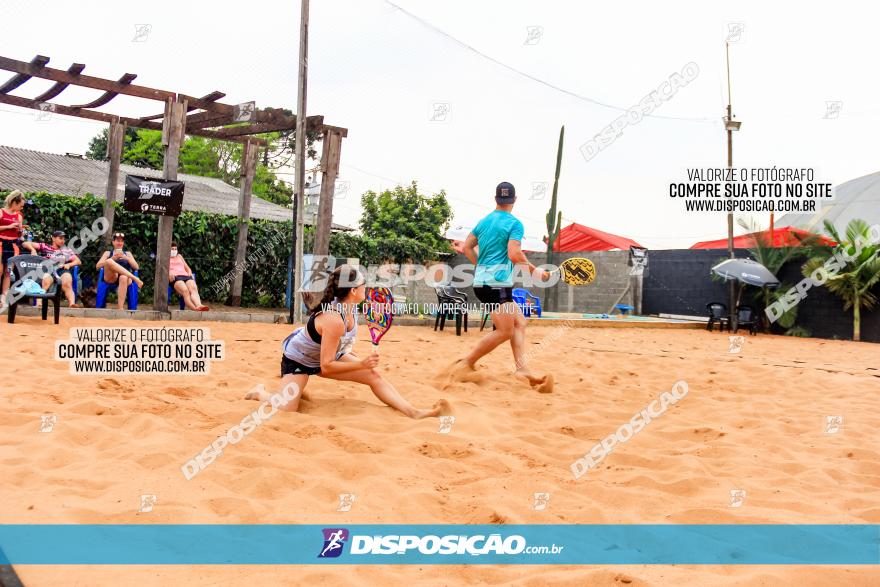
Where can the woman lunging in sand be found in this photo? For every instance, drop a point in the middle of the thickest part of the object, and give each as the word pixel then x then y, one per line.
pixel 323 347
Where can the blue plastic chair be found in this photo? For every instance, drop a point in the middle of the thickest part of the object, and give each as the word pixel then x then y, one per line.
pixel 171 292
pixel 522 297
pixel 624 309
pixel 74 274
pixel 104 288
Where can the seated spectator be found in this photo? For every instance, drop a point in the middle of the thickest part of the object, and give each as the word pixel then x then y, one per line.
pixel 11 226
pixel 118 264
pixel 63 259
pixel 180 277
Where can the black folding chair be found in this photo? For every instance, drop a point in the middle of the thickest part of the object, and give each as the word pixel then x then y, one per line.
pixel 451 304
pixel 22 266
pixel 718 313
pixel 746 316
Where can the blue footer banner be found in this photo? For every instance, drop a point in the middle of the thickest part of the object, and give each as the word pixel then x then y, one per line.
pixel 587 544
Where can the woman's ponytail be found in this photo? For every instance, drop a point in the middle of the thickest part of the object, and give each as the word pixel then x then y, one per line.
pixel 329 292
pixel 348 276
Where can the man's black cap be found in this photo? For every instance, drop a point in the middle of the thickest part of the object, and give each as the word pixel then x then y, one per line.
pixel 58 233
pixel 505 193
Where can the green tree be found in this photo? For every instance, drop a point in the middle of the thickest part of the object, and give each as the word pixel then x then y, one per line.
pixel 146 151
pixel 774 258
pixel 405 213
pixel 98 144
pixel 859 257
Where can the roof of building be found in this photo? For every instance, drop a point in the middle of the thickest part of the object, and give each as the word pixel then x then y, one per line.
pixel 35 171
pixel 577 237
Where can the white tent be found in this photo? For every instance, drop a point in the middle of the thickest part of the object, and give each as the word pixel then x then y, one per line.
pixel 856 198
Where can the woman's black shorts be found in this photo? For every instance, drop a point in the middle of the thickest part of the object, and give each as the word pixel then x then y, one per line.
pixel 493 295
pixel 291 367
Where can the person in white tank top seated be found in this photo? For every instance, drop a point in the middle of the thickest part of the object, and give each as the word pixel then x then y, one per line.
pixel 324 347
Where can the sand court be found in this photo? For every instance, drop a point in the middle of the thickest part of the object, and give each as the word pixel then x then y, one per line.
pixel 753 429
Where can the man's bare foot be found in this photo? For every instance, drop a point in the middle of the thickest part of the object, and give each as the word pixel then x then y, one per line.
pixel 461 372
pixel 441 408
pixel 543 383
pixel 532 379
pixel 547 386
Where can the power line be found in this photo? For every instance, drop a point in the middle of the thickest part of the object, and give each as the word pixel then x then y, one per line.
pixel 537 79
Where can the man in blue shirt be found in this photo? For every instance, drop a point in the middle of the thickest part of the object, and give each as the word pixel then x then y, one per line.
pixel 498 237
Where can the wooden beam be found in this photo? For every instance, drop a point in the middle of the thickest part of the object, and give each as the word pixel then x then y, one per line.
pixel 248 166
pixel 330 166
pixel 343 132
pixel 175 128
pixel 126 79
pixel 59 87
pixel 109 118
pixel 215 95
pixel 264 115
pixel 313 123
pixel 115 144
pixel 207 119
pixel 86 81
pixel 17 80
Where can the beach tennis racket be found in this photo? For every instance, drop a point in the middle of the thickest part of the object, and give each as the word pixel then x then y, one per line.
pixel 377 313
pixel 577 271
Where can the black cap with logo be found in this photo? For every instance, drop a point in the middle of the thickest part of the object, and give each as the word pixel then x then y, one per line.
pixel 505 193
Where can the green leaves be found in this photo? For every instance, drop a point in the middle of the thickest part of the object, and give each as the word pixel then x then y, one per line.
pixel 403 225
pixel 859 271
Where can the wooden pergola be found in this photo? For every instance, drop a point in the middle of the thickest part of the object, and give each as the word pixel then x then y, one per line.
pixel 182 115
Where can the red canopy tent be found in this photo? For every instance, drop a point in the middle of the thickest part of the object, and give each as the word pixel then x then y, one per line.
pixel 577 237
pixel 785 236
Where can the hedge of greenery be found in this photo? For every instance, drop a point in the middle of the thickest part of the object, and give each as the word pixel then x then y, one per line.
pixel 207 242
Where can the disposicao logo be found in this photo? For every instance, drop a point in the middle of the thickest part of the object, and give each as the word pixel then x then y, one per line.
pixel 334 541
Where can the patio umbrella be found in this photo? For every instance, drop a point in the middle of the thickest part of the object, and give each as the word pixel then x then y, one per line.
pixel 529 243
pixel 746 271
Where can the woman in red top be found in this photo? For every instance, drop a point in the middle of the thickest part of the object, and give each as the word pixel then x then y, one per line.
pixel 11 225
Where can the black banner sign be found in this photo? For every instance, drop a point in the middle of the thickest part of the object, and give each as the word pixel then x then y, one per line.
pixel 153 196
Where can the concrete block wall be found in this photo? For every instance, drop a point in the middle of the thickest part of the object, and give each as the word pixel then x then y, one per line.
pixel 678 282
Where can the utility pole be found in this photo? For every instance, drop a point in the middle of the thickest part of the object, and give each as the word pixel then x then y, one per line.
pixel 299 188
pixel 730 125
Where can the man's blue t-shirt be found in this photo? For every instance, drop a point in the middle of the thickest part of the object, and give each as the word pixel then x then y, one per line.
pixel 493 232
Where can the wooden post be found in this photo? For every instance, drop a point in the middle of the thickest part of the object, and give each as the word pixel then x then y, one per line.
pixel 173 130
pixel 115 143
pixel 302 90
pixel 250 153
pixel 330 167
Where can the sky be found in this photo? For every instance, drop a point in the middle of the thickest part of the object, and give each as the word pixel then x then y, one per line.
pixel 459 96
